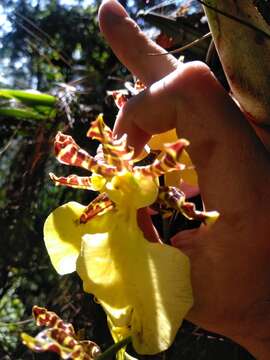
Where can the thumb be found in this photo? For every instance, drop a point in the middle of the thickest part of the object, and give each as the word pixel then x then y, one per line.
pixel 224 149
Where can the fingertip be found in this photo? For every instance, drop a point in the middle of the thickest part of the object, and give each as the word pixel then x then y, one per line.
pixel 192 76
pixel 197 67
pixel 131 45
pixel 110 12
pixel 136 137
pixel 185 239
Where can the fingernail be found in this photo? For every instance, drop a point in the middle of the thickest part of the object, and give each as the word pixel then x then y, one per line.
pixel 114 10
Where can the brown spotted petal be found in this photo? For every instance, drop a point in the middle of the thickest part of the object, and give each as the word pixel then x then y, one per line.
pixel 207 217
pixel 68 152
pixel 100 131
pixel 116 152
pixel 99 206
pixel 59 338
pixel 74 181
pixel 139 86
pixel 170 198
pixel 43 317
pixel 120 97
pixel 105 154
pixel 169 161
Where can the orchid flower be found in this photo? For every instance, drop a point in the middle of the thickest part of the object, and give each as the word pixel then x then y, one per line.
pixel 143 287
pixel 59 337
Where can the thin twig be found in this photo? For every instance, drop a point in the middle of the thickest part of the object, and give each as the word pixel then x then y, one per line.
pixel 37 50
pixel 17 323
pixel 158 6
pixel 50 39
pixel 210 52
pixel 4 149
pixel 185 47
pixel 37 37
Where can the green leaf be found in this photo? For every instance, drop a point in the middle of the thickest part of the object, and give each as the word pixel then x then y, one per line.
pixel 23 113
pixel 25 104
pixel 29 97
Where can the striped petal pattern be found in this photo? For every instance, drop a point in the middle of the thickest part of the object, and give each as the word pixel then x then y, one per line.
pixel 116 152
pixel 60 338
pixel 169 161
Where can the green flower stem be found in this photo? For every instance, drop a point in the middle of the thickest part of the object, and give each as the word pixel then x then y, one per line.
pixel 107 354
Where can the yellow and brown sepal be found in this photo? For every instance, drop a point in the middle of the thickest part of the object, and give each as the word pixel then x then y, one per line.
pixel 59 337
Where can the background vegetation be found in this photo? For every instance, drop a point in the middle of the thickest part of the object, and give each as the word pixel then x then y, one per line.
pixel 55 47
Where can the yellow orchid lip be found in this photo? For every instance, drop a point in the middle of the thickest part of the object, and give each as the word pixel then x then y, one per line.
pixel 143 287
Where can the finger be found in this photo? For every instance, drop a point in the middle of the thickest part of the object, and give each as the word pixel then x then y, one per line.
pixel 131 46
pixel 185 240
pixel 161 119
pixel 226 153
pixel 155 110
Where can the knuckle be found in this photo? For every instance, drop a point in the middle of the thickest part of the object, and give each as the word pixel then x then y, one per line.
pixel 194 75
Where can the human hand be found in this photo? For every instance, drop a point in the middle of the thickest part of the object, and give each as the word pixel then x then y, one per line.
pixel 230 261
